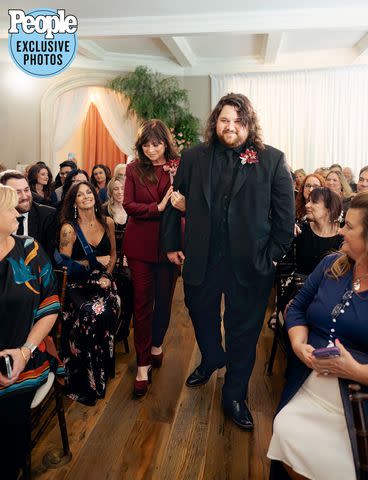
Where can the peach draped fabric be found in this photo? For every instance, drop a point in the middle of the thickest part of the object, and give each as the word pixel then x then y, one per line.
pixel 99 147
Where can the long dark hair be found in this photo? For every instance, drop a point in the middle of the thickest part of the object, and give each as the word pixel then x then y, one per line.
pixel 153 131
pixel 32 178
pixel 68 211
pixel 247 115
pixel 69 180
pixel 107 171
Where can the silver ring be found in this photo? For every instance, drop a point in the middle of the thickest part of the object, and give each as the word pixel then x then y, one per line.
pixel 325 372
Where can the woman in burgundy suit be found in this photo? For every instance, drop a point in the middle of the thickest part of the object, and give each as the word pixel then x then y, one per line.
pixel 147 192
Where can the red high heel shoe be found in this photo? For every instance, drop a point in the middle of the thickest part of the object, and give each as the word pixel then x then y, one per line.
pixel 156 360
pixel 141 386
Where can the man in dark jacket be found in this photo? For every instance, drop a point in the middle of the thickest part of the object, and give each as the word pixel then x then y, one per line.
pixel 239 223
pixel 37 221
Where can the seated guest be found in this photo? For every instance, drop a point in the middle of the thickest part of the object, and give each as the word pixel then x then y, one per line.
pixel 362 185
pixel 72 178
pixel 87 247
pixel 299 177
pixel 120 169
pixel 349 176
pixel 40 181
pixel 115 210
pixel 65 168
pixel 314 180
pixel 313 436
pixel 100 177
pixel 323 171
pixel 319 234
pixel 335 167
pixel 29 306
pixel 336 181
pixel 37 221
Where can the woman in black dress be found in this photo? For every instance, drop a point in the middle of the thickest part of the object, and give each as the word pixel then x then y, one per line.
pixel 319 234
pixel 87 245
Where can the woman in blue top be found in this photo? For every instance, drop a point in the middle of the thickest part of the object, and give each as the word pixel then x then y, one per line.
pixel 313 434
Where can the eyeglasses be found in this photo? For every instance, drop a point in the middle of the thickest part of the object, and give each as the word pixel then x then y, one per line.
pixel 339 308
pixel 309 186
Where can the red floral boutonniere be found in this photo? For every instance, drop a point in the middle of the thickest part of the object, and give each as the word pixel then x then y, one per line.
pixel 249 156
pixel 171 166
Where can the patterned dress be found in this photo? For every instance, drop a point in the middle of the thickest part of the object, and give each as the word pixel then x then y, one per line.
pixel 90 318
pixel 28 292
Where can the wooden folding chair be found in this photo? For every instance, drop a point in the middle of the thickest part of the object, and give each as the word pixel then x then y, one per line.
pixel 358 399
pixel 48 401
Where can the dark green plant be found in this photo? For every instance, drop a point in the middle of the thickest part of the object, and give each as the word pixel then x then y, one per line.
pixel 151 95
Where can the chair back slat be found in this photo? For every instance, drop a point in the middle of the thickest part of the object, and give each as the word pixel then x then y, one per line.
pixel 358 399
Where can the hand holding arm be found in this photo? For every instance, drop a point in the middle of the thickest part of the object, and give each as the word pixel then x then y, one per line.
pixel 178 201
pixel 162 205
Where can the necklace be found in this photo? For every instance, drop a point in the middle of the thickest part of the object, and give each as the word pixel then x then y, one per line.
pixel 356 283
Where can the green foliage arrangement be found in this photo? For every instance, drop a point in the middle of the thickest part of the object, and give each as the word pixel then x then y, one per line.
pixel 151 95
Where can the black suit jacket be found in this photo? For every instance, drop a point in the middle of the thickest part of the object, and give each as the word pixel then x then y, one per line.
pixel 260 215
pixel 42 225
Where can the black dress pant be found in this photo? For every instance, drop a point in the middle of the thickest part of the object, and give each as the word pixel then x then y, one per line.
pixel 14 432
pixel 243 319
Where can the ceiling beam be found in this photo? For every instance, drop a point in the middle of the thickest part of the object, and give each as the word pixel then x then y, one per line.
pixel 361 47
pixel 325 19
pixel 90 49
pixel 272 47
pixel 237 22
pixel 181 50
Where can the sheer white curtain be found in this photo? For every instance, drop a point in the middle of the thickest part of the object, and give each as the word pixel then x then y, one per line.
pixel 71 109
pixel 113 108
pixel 316 117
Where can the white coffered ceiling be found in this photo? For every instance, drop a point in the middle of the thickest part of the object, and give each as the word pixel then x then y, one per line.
pixel 194 37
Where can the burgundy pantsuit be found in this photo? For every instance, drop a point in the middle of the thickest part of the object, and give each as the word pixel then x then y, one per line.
pixel 153 276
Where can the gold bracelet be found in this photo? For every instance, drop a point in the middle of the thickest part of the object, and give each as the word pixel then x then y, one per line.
pixel 24 357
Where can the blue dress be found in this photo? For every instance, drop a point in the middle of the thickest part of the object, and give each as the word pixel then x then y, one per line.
pixel 312 308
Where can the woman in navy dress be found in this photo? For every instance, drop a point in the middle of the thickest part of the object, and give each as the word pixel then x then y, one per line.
pixel 313 431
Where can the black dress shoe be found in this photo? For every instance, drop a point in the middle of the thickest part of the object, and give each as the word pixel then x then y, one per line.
pixel 239 414
pixel 199 377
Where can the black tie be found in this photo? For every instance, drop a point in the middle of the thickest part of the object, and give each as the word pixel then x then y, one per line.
pixel 20 230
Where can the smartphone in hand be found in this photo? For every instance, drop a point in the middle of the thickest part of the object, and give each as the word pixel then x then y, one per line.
pixel 6 366
pixel 327 352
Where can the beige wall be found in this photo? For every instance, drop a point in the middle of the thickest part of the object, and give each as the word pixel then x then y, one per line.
pixel 20 112
pixel 199 91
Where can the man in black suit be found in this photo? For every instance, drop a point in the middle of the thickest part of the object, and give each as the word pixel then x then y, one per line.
pixel 37 221
pixel 239 223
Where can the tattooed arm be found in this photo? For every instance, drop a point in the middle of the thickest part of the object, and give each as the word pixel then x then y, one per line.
pixel 67 239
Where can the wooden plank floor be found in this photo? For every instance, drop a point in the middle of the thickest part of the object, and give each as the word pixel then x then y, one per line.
pixel 174 433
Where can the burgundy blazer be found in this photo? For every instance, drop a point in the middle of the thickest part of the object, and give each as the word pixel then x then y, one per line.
pixel 142 234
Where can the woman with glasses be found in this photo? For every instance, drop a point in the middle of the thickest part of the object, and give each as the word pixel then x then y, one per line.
pixel 313 434
pixel 310 182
